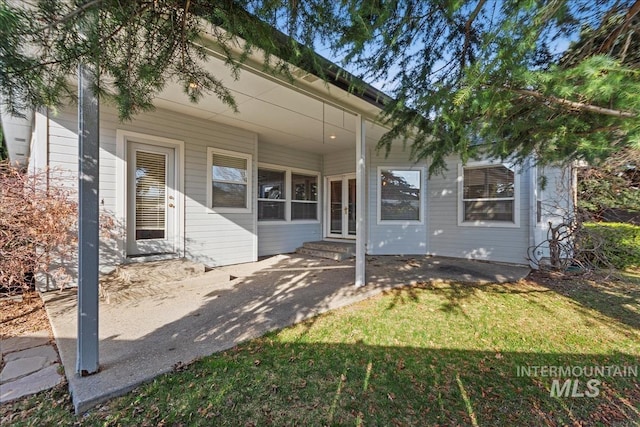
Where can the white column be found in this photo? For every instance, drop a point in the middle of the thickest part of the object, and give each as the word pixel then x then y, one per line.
pixel 88 214
pixel 361 206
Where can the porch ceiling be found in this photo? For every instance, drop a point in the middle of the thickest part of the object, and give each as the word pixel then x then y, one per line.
pixel 308 116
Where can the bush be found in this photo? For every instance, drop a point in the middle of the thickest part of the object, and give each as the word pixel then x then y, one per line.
pixel 611 244
pixel 37 222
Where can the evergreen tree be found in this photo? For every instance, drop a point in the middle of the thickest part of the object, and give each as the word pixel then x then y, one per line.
pixel 465 77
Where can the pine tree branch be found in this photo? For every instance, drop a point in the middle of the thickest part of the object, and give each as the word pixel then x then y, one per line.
pixel 80 9
pixel 576 105
pixel 184 29
pixel 467 30
pixel 609 41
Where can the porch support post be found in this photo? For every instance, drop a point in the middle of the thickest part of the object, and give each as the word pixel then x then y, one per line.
pixel 88 222
pixel 361 207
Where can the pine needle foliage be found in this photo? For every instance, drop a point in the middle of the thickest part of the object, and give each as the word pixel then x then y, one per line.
pixel 558 80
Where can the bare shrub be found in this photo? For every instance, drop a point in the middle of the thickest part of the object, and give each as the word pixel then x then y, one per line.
pixel 38 217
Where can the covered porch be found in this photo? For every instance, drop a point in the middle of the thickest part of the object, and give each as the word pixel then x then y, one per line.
pixel 147 330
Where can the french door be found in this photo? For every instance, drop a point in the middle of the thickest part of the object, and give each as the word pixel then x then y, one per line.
pixel 341 206
pixel 151 200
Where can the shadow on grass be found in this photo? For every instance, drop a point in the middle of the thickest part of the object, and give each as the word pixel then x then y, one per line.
pixel 616 298
pixel 456 293
pixel 269 382
pixel 311 382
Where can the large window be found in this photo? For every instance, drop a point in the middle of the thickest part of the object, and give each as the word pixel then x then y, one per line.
pixel 230 175
pixel 286 194
pixel 400 194
pixel 272 197
pixel 304 197
pixel 489 194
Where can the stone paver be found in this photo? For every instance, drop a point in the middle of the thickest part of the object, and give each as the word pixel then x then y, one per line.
pixel 38 381
pixel 46 351
pixel 30 366
pixel 33 339
pixel 21 367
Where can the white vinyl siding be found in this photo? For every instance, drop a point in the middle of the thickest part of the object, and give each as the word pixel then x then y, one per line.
pixel 554 203
pixel 394 237
pixel 447 238
pixel 340 162
pixel 213 239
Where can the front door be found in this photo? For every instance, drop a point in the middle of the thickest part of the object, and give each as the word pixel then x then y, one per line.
pixel 342 207
pixel 151 205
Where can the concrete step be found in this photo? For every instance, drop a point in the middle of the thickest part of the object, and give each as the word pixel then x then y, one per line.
pixel 158 271
pixel 334 255
pixel 130 281
pixel 342 247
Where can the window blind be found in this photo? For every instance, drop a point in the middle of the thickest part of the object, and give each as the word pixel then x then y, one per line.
pixel 151 177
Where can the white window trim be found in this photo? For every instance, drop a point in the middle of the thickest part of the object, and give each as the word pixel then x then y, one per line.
pixel 516 196
pixel 423 186
pixel 123 137
pixel 284 200
pixel 249 158
pixel 288 172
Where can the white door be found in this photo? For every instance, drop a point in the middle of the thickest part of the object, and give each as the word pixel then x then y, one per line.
pixel 151 200
pixel 341 206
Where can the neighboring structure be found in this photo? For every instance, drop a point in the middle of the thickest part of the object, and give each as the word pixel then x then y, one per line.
pixel 202 182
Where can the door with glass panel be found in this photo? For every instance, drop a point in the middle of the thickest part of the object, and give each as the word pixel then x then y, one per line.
pixel 342 207
pixel 151 200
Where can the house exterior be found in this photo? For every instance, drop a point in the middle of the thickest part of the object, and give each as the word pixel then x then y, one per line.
pixel 297 163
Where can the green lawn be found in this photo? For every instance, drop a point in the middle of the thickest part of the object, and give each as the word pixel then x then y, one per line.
pixel 445 354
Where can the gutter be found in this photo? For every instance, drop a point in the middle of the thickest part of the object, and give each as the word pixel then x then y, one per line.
pixel 307 60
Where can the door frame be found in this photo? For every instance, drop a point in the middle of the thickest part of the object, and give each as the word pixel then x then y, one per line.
pixel 345 203
pixel 123 138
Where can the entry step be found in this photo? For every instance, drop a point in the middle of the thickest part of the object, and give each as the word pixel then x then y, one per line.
pixel 337 251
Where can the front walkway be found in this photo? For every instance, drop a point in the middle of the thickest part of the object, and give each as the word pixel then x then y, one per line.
pixel 150 333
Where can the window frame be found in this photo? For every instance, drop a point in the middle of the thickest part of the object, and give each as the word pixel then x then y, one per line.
pixel 422 205
pixel 516 196
pixel 284 200
pixel 249 193
pixel 291 200
pixel 289 171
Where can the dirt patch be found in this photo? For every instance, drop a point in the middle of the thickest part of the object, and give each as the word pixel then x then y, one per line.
pixel 132 281
pixel 18 317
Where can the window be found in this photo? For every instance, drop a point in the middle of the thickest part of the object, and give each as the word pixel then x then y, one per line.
pixel 150 188
pixel 304 197
pixel 400 194
pixel 286 194
pixel 230 177
pixel 271 195
pixel 489 194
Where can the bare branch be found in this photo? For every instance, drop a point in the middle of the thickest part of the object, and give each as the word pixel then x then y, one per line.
pixel 576 105
pixel 467 30
pixel 80 9
pixel 610 40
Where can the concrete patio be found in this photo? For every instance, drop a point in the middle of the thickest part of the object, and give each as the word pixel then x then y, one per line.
pixel 150 331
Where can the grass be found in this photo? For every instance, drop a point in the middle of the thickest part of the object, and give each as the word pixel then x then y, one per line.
pixel 436 354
